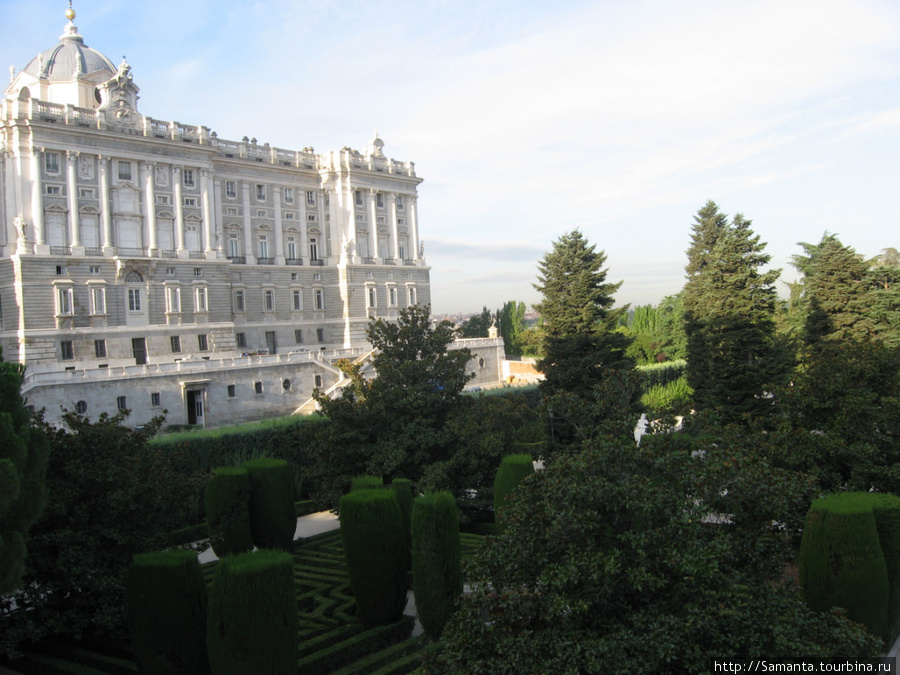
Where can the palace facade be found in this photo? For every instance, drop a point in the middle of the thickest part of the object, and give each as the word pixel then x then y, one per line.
pixel 151 265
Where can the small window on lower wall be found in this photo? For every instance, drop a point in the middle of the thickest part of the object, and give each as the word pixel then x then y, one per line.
pixel 232 393
pixel 154 399
pixel 257 387
pixel 286 384
pixel 121 403
pixel 66 350
pixel 318 381
pixel 81 407
pixel 203 342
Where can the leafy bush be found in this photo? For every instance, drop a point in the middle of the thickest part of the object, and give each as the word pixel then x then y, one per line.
pixel 252 623
pixel 167 613
pixel 841 562
pixel 367 483
pixel 375 548
pixel 671 398
pixel 273 519
pixel 228 511
pixel 661 374
pixel 513 470
pixel 437 577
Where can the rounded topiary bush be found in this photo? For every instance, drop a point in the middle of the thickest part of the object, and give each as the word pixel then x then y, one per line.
pixel 403 488
pixel 886 509
pixel 841 561
pixel 366 483
pixel 273 517
pixel 437 576
pixel 513 470
pixel 375 548
pixel 167 613
pixel 228 510
pixel 252 625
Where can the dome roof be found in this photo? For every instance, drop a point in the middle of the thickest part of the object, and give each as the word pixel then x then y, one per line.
pixel 71 59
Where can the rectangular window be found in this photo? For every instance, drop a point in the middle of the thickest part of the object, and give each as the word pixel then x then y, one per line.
pixel 100 349
pixel 230 189
pixel 298 336
pixel 66 350
pixel 297 296
pixel 317 276
pixel 234 247
pixel 240 339
pixel 188 178
pixel 310 194
pixel 288 216
pixel 86 193
pixel 288 195
pixel 239 302
pixel 175 342
pixel 98 301
pixel 399 202
pixel 203 342
pixel 379 200
pixel 61 270
pixel 320 334
pixel 121 403
pixel 318 381
pixel 134 299
pixel 291 248
pixel 371 297
pixel 200 300
pixel 198 271
pixel 269 300
pixel 51 162
pixel 311 217
pixel 257 387
pixel 95 269
pixel 155 399
pixel 173 300
pixel 263 247
pixel 190 201
pixel 54 190
pixel 124 170
pixel 359 197
pixel 232 393
pixel 392 296
pixel 64 304
pixel 412 295
pixel 262 213
pixel 163 199
pixel 320 299
pixel 260 192
pixel 231 210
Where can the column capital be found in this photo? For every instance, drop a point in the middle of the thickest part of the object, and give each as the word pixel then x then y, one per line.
pixel 36 150
pixel 148 165
pixel 72 156
pixel 104 159
pixel 177 168
pixel 204 173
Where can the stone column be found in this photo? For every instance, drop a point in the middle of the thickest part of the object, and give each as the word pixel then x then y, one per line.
pixel 249 253
pixel 105 206
pixel 209 227
pixel 37 199
pixel 72 199
pixel 279 227
pixel 220 220
pixel 373 225
pixel 413 228
pixel 395 235
pixel 303 252
pixel 179 212
pixel 147 169
pixel 330 229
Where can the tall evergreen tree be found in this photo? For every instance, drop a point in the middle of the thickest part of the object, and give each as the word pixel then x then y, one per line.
pixel 512 325
pixel 733 357
pixel 580 340
pixel 23 465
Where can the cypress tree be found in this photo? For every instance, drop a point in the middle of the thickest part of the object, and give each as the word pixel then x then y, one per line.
pixel 437 576
pixel 227 501
pixel 273 517
pixel 729 305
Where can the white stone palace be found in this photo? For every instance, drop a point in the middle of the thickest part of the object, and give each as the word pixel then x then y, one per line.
pixel 151 265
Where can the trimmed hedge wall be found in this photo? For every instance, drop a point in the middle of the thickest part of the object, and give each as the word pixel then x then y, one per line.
pixel 513 470
pixel 437 575
pixel 661 374
pixel 167 613
pixel 252 625
pixel 375 549
pixel 841 561
pixel 367 483
pixel 228 510
pixel 886 509
pixel 403 488
pixel 273 519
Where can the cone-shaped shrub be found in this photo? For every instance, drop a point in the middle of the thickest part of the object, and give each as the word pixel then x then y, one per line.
pixel 366 483
pixel 887 519
pixel 375 548
pixel 167 613
pixel 841 562
pixel 437 577
pixel 273 517
pixel 252 625
pixel 228 511
pixel 402 487
pixel 513 470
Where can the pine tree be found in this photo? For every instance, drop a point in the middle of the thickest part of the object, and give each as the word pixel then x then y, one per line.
pixel 733 357
pixel 512 325
pixel 580 342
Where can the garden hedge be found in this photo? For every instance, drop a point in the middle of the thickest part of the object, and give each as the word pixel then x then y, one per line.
pixel 403 488
pixel 513 470
pixel 841 560
pixel 167 613
pixel 252 624
pixel 228 510
pixel 437 575
pixel 273 518
pixel 375 549
pixel 367 483
pixel 886 509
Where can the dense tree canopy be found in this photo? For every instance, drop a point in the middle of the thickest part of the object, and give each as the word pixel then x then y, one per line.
pixel 23 464
pixel 733 357
pixel 477 326
pixel 580 341
pixel 512 326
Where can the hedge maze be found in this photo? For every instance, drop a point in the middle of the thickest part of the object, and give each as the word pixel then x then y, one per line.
pixel 330 638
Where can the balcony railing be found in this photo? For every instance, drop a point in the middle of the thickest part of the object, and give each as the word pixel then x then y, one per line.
pixel 93 250
pixel 265 261
pixel 130 252
pixel 293 261
pixel 368 261
pixel 317 262
pixel 167 253
pixel 60 250
pixel 196 255
pixel 238 259
pixel 411 263
pixel 388 261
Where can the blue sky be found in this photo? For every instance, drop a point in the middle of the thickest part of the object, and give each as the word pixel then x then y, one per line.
pixel 528 119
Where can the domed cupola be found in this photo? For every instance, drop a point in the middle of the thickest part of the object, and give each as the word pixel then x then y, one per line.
pixel 69 73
